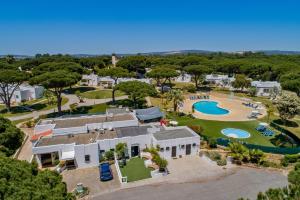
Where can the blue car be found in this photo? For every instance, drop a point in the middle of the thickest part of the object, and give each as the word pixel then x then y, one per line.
pixel 105 172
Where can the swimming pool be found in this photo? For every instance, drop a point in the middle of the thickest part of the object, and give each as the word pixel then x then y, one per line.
pixel 210 107
pixel 235 133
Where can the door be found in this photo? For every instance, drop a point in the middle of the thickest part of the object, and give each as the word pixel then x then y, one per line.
pixel 135 150
pixel 173 151
pixel 188 149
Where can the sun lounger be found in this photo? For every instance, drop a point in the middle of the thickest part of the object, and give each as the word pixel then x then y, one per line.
pixel 268 132
pixel 261 128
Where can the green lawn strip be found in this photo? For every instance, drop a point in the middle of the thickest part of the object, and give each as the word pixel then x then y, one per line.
pixel 18 111
pixel 21 120
pixel 97 108
pixel 135 170
pixel 213 129
pixel 100 94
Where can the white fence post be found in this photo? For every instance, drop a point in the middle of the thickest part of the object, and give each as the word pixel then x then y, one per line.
pixel 122 179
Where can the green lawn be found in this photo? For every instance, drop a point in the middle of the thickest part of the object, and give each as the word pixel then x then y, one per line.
pixel 43 105
pixel 213 129
pixel 135 170
pixel 100 94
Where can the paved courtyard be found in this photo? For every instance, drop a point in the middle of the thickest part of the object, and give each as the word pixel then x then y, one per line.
pixel 244 182
pixel 90 178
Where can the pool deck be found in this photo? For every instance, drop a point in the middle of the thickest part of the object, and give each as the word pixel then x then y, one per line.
pixel 237 111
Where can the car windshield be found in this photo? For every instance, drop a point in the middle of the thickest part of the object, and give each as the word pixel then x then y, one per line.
pixel 105 173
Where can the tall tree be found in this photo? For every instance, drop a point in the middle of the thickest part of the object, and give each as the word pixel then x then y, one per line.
pixel 11 137
pixel 134 63
pixel 176 96
pixel 288 105
pixel 21 180
pixel 241 82
pixel 162 75
pixel 56 82
pixel 53 66
pixel 197 72
pixel 10 80
pixel 291 82
pixel 115 73
pixel 136 90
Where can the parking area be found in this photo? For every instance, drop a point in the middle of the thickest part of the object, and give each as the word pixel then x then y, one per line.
pixel 89 177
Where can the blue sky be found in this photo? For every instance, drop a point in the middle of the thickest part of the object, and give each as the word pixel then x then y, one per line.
pixel 97 27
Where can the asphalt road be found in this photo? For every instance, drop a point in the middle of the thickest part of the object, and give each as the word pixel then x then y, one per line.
pixel 246 182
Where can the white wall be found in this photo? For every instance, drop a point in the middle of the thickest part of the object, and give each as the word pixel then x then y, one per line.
pixel 87 149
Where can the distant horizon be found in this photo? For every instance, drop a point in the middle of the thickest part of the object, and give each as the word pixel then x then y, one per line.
pixel 182 51
pixel 129 27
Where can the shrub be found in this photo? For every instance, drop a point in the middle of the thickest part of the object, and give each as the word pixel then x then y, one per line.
pixel 222 162
pixel 294 177
pixel 297 166
pixel 212 142
pixel 215 156
pixel 290 158
pixel 109 155
pixel 266 163
pixel 190 88
pixel 198 129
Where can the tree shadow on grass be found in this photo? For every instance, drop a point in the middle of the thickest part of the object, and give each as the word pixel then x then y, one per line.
pixel 288 123
pixel 80 89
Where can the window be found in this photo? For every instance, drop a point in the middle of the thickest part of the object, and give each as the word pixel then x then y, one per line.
pixel 162 149
pixel 266 90
pixel 182 146
pixel 167 148
pixel 194 144
pixel 87 158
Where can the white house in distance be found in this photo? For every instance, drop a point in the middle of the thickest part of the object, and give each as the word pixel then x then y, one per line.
pixel 266 88
pixel 26 92
pixel 219 80
pixel 81 141
pixel 106 81
pixel 184 78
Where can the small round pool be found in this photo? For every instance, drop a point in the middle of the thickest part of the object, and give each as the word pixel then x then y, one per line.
pixel 235 133
pixel 210 108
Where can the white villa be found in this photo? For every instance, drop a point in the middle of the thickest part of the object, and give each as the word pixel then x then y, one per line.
pixel 81 141
pixel 266 88
pixel 219 80
pixel 26 92
pixel 107 81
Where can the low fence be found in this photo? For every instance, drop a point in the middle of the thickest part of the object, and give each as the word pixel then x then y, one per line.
pixel 122 179
pixel 276 150
pixel 285 131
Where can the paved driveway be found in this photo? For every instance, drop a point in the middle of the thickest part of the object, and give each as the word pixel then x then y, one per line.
pixel 90 177
pixel 244 182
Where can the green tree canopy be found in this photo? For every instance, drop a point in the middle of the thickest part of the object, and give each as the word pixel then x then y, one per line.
pixel 136 90
pixel 93 63
pixel 176 96
pixel 241 82
pixel 53 66
pixel 197 72
pixel 291 82
pixel 20 180
pixel 11 137
pixel 134 63
pixel 288 105
pixel 10 80
pixel 56 81
pixel 115 73
pixel 162 75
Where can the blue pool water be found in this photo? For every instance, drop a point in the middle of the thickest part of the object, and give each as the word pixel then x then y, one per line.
pixel 210 107
pixel 235 133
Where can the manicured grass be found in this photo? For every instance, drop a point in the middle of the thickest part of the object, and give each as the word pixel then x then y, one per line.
pixel 21 120
pixel 97 108
pixel 100 94
pixel 135 170
pixel 213 129
pixel 43 105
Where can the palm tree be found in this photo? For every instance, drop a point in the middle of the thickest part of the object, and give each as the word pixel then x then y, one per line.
pixel 176 96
